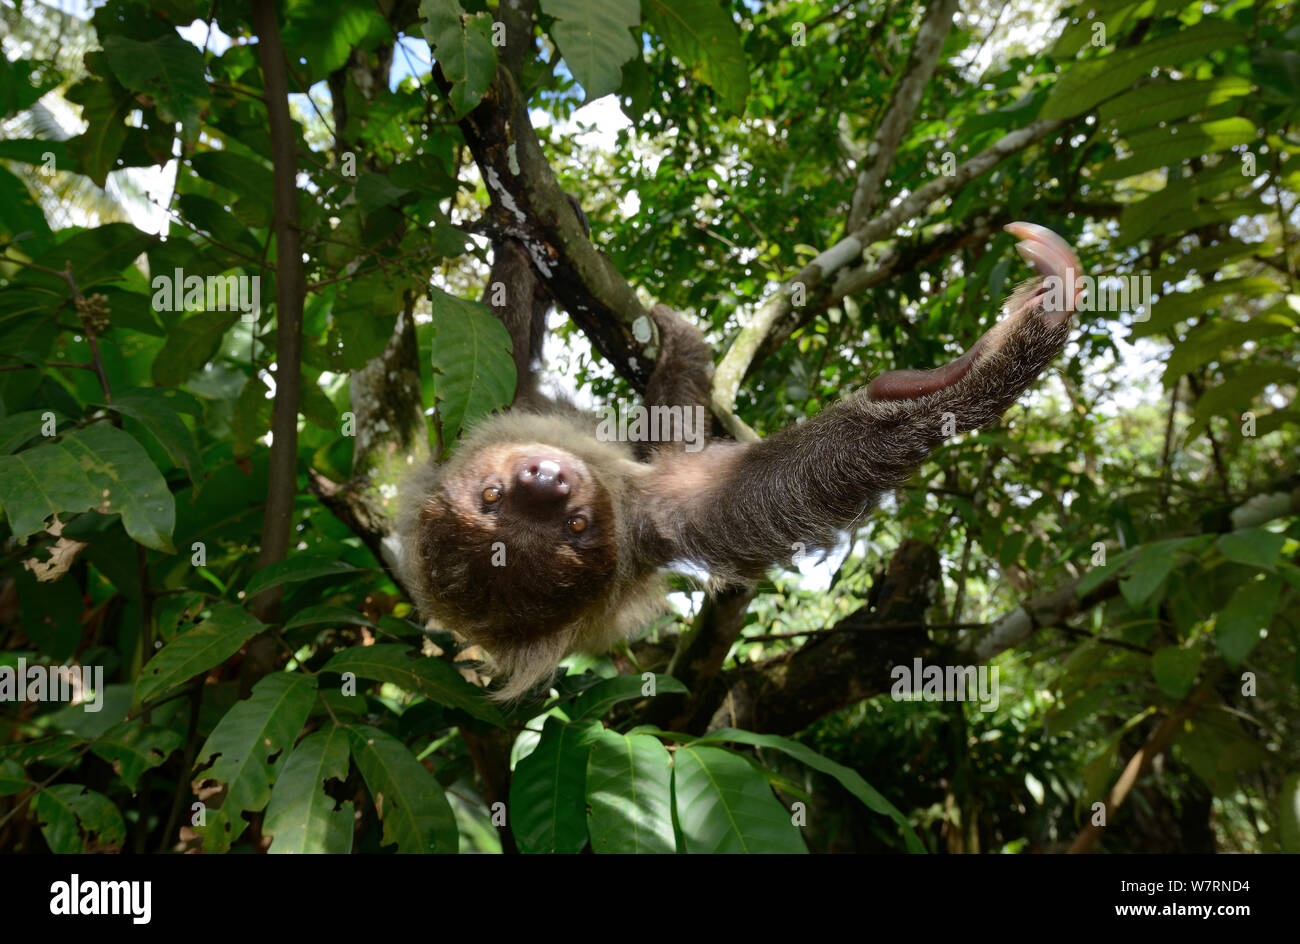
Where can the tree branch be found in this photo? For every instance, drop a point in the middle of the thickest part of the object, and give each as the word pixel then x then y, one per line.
pixel 282 481
pixel 906 97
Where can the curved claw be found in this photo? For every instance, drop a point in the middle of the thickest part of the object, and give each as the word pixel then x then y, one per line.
pixel 1054 259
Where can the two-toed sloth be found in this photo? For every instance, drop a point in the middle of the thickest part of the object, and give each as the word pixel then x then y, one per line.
pixel 538 539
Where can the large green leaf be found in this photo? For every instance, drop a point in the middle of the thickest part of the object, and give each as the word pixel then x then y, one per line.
pixel 247 750
pixel 133 747
pixel 548 791
pixel 594 39
pixel 168 69
pixel 104 107
pixel 128 483
pixel 210 643
pixel 301 817
pixel 1175 669
pixel 297 568
pixel 159 411
pixel 430 677
pixel 850 779
pixel 40 482
pixel 1208 342
pixel 1255 547
pixel 415 811
pixel 597 700
pixel 92 256
pixel 1164 100
pixel 1180 306
pixel 1289 814
pixel 1240 391
pixel 1090 82
pixel 1160 147
pixel 629 794
pixel 462 45
pixel 474 372
pixel 1241 623
pixel 724 805
pixel 702 34
pixel 1152 213
pixel 76 819
pixel 190 345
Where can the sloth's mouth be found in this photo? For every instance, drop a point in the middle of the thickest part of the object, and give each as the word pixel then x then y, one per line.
pixel 1053 259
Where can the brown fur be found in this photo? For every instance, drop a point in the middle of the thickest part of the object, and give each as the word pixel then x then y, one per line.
pixel 731 509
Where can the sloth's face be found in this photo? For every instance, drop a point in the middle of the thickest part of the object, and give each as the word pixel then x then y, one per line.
pixel 518 539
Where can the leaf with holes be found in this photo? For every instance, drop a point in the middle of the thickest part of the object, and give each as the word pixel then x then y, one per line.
pixel 301 817
pixel 415 812
pixel 210 643
pixel 248 749
pixel 128 482
pixel 40 482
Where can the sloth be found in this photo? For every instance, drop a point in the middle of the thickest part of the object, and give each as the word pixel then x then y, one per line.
pixel 538 538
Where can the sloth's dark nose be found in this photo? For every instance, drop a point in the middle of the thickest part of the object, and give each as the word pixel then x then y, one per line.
pixel 543 481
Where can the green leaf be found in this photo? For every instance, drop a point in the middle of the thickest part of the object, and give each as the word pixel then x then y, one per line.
pixel 462 46
pixel 301 816
pixel 191 344
pixel 1090 82
pixel 1152 213
pixel 1164 100
pixel 210 643
pixel 724 805
pixel 594 39
pixel 432 678
pixel 168 69
pixel 629 795
pixel 1241 390
pixel 128 482
pixel 297 568
pixel 848 778
pixel 104 107
pixel 158 412
pixel 415 811
pixel 12 778
pixel 548 791
pixel 702 34
pixel 326 613
pixel 133 747
pixel 1175 669
pixel 40 482
pixel 92 255
pixel 1148 572
pixel 1208 342
pixel 247 750
pixel 597 700
pixel 241 175
pixel 1241 623
pixel 211 217
pixel 71 816
pixel 1255 547
pixel 474 372
pixel 1161 147
pixel 1289 814
pixel 1179 306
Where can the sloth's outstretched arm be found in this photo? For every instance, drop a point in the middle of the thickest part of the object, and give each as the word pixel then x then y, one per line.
pixel 737 509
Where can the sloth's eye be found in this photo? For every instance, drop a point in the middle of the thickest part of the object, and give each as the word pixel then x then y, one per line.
pixel 492 494
pixel 577 524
